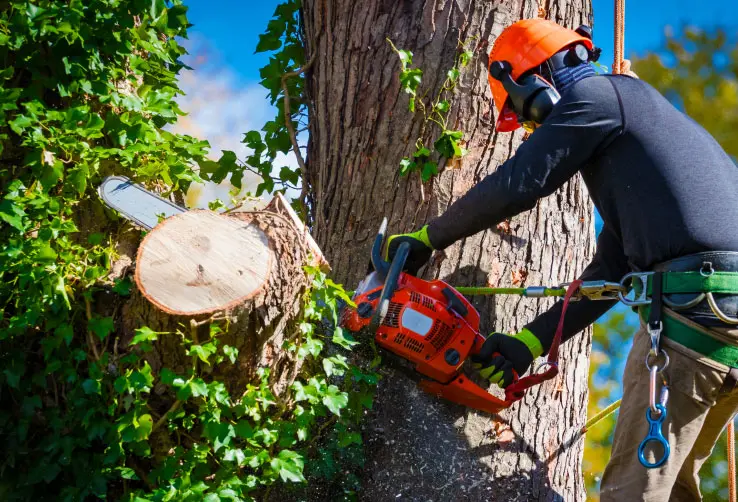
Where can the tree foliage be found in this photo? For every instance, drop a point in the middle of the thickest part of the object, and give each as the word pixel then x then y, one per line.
pixel 697 70
pixel 86 90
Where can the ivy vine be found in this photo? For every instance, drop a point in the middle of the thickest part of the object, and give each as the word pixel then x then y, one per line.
pixel 434 111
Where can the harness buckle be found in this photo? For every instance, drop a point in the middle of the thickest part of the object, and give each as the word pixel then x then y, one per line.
pixel 639 298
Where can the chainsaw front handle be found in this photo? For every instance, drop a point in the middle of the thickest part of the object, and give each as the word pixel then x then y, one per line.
pixel 390 283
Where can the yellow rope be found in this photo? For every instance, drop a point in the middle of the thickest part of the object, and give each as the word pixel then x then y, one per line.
pixel 601 415
pixel 617 64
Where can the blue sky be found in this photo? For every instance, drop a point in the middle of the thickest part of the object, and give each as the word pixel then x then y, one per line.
pixel 233 27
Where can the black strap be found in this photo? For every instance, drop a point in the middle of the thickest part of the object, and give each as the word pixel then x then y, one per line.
pixel 654 317
pixel 730 382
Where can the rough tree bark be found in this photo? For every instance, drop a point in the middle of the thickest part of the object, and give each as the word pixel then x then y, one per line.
pixel 420 448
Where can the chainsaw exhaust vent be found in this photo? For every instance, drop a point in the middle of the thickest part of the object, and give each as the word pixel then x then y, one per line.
pixel 392 319
pixel 440 335
pixel 399 338
pixel 414 345
pixel 416 297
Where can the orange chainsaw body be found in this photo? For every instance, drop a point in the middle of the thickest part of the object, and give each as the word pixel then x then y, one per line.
pixel 431 325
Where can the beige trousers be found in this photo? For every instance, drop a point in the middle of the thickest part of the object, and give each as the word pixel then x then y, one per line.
pixel 703 398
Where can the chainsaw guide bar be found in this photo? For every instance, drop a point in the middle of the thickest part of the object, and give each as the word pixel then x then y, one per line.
pixel 135 203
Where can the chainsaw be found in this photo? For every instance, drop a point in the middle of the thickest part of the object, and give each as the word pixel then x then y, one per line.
pixel 431 326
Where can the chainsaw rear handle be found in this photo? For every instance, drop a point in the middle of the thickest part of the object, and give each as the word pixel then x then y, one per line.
pixel 390 284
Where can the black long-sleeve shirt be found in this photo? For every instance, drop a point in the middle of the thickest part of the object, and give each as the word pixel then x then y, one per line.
pixel 662 184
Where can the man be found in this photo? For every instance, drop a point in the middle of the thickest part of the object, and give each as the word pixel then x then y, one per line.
pixel 668 196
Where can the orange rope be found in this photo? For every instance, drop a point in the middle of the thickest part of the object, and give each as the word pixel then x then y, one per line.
pixel 617 64
pixel 731 460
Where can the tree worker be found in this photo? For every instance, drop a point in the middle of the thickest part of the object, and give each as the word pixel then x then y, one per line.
pixel 668 196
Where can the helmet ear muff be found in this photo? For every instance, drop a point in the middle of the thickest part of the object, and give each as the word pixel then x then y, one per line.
pixel 531 97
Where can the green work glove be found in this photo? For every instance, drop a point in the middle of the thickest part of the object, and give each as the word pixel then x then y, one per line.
pixel 420 249
pixel 504 357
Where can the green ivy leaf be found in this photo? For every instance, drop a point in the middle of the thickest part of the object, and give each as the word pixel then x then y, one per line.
pixel 203 352
pixel 428 171
pixel 335 365
pixel 144 334
pixel 231 353
pixel 335 400
pixel 339 338
pixel 407 166
pixel 442 106
pixel 12 214
pixel 448 144
pixel 91 386
pixel 101 326
pixel 289 465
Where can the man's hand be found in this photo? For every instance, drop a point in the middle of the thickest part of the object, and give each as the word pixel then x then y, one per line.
pixel 420 249
pixel 504 357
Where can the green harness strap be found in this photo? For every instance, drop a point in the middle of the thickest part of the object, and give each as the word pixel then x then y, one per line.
pixel 696 282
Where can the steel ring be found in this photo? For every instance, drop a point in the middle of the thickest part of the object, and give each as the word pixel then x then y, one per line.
pixel 666 361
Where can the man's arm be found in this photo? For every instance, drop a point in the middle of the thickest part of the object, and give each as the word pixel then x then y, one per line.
pixel 586 119
pixel 609 264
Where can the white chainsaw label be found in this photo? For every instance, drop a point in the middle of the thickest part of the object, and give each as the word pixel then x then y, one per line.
pixel 416 322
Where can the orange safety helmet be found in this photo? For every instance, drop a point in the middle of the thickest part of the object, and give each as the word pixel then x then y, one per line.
pixel 525 45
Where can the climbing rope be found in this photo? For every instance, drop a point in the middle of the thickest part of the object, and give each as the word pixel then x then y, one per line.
pixel 731 460
pixel 601 415
pixel 619 52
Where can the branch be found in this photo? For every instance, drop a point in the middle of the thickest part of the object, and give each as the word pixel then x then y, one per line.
pixel 291 129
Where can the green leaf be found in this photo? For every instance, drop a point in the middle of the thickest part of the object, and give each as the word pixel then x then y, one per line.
pixel 101 326
pixel 19 124
pixel 443 106
pixel 289 465
pixel 144 334
pixel 235 455
pixel 12 214
pixel 199 387
pixel 407 166
pixel 428 171
pixel 448 144
pixel 203 352
pixel 406 58
pixel 219 433
pixel 231 353
pixel 91 386
pixel 123 286
pixel 335 365
pixel 341 339
pixel 145 425
pixel 421 152
pixel 453 74
pixel 335 400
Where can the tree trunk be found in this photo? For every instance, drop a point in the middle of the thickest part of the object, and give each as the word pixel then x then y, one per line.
pixel 420 448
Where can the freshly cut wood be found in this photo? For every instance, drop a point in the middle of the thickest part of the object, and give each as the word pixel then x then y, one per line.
pixel 199 262
pixel 244 267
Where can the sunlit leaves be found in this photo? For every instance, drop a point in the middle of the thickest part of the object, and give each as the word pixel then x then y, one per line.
pixel 434 111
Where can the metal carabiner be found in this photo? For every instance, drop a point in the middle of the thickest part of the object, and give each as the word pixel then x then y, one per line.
pixel 639 298
pixel 601 290
pixel 654 435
